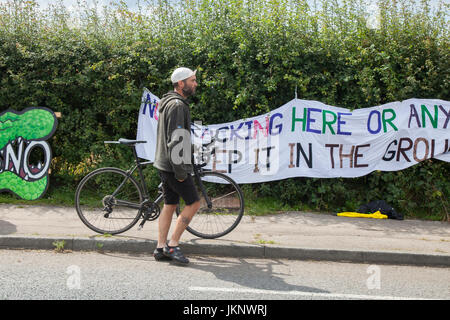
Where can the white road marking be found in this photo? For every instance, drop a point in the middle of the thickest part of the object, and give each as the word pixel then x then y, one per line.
pixel 301 293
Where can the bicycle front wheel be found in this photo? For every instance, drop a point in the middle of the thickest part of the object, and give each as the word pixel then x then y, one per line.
pixel 224 211
pixel 107 201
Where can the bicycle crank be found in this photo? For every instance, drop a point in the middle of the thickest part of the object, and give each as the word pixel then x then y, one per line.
pixel 149 212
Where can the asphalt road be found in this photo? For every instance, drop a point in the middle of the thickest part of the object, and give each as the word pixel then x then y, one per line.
pixel 26 274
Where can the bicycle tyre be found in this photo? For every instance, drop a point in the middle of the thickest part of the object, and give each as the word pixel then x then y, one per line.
pixel 227 211
pixel 93 196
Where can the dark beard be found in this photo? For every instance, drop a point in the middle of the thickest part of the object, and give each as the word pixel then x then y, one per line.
pixel 187 92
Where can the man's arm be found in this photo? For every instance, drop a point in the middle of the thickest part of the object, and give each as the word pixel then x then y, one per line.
pixel 178 141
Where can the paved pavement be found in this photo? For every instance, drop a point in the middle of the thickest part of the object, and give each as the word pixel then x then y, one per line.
pixel 289 235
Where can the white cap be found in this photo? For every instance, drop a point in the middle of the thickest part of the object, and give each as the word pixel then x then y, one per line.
pixel 182 74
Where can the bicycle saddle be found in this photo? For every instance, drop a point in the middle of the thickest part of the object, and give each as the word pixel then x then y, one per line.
pixel 126 142
pixel 130 142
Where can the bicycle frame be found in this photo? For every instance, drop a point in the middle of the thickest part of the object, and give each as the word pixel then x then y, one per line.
pixel 128 186
pixel 197 171
pixel 139 165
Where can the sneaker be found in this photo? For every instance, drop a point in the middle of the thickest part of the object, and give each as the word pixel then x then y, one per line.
pixel 159 255
pixel 175 254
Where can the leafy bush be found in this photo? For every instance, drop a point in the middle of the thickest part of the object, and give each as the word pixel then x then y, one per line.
pixel 92 64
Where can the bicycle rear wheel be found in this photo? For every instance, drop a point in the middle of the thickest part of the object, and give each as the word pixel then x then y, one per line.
pixel 227 208
pixel 107 201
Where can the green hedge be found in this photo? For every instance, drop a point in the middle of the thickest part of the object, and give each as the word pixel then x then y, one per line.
pixel 251 56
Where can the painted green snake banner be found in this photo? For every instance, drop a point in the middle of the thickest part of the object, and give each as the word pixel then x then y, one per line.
pixel 21 135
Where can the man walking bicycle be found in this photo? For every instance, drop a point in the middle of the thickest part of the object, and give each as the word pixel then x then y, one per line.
pixel 173 161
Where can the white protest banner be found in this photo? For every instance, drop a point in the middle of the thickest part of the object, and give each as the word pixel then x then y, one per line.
pixel 310 139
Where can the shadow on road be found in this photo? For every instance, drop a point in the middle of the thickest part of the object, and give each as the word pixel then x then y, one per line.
pixel 255 274
pixel 7 228
pixel 247 273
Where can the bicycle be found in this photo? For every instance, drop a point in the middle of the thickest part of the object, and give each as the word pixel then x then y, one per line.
pixel 107 198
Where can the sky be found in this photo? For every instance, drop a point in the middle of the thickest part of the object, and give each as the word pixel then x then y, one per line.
pixel 45 3
pixel 72 5
pixel 132 4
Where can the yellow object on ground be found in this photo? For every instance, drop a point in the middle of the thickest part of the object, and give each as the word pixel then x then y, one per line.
pixel 376 215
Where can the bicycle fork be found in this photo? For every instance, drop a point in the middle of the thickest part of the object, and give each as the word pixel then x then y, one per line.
pixel 203 191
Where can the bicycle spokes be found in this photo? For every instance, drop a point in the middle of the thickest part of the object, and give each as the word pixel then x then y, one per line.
pixel 108 201
pixel 221 206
